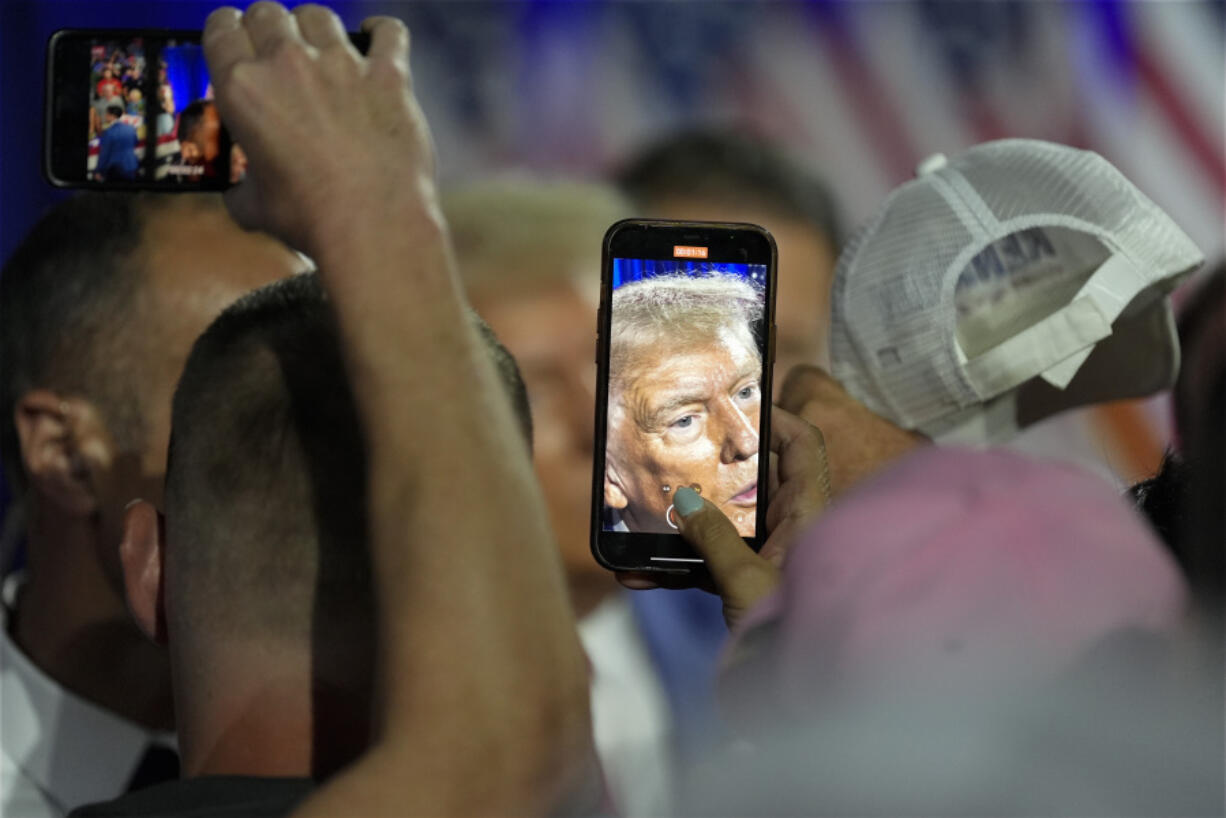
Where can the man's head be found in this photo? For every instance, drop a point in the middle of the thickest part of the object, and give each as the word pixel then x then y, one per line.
pixel 199 132
pixel 729 176
pixel 265 510
pixel 529 255
pixel 684 398
pixel 98 308
pixel 113 112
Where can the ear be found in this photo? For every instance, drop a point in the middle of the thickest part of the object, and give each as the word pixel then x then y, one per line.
pixel 614 492
pixel 55 434
pixel 141 553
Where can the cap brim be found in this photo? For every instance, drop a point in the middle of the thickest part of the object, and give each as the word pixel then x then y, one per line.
pixel 1138 359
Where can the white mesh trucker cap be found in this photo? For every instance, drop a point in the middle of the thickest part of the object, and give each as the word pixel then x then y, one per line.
pixel 1019 279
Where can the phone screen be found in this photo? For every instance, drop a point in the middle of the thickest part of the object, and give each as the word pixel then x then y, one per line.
pixel 118 133
pixel 685 368
pixel 151 115
pixel 189 132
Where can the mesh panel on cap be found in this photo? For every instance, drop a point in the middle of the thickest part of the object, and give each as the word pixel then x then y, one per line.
pixel 1031 181
pixel 888 308
pixel 891 326
pixel 845 363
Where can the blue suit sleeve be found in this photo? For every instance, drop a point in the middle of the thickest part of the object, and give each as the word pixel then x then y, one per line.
pixel 106 155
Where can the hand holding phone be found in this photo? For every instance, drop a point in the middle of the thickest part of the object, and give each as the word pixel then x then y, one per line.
pixel 862 442
pixel 685 351
pixel 800 490
pixel 347 120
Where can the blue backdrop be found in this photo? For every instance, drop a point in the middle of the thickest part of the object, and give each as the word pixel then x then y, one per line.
pixel 187 74
pixel 626 270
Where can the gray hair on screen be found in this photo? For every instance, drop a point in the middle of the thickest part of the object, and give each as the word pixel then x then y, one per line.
pixel 680 310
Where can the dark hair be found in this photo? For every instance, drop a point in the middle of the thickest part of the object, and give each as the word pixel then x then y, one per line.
pixel 1200 412
pixel 1184 500
pixel 1164 501
pixel 508 375
pixel 1196 316
pixel 726 164
pixel 69 312
pixel 115 110
pixel 266 472
pixel 190 119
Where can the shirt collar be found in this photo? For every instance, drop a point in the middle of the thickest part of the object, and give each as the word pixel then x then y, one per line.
pixel 74 751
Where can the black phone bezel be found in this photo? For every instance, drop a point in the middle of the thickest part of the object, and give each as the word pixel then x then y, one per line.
pixel 655 239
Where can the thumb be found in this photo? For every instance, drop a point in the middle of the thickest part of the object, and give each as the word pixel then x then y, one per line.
pixel 729 558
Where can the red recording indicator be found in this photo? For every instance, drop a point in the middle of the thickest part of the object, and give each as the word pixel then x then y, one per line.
pixel 681 251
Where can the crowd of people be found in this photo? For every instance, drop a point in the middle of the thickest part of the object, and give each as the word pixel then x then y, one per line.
pixel 188 137
pixel 117 109
pixel 303 481
pixel 116 71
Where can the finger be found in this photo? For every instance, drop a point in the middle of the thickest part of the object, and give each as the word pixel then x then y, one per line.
pixel 389 40
pixel 714 537
pixel 650 580
pixel 226 43
pixel 804 474
pixel 787 531
pixel 805 383
pixel 801 446
pixel 269 25
pixel 668 580
pixel 321 27
pixel 636 581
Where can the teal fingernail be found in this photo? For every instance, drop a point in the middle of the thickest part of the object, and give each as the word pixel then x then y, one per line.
pixel 686 501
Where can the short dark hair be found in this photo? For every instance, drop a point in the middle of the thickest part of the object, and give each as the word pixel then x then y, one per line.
pixel 508 375
pixel 115 110
pixel 69 314
pixel 1164 501
pixel 190 119
pixel 1199 309
pixel 732 165
pixel 266 473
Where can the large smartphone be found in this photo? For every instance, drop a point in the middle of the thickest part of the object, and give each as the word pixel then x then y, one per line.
pixel 685 347
pixel 133 109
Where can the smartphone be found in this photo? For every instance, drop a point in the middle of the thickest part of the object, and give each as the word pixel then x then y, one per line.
pixel 685 347
pixel 133 109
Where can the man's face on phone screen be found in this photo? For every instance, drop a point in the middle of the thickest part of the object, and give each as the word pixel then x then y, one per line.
pixel 686 416
pixel 204 143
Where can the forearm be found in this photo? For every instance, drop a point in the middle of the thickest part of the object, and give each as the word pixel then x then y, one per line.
pixel 472 491
pixel 482 687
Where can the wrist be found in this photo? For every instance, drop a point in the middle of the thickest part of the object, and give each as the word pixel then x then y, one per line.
pixel 384 231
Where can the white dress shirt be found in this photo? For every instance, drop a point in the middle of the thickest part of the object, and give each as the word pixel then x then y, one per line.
pixel 57 751
pixel 630 715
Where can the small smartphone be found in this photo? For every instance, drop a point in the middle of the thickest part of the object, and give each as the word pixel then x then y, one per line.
pixel 133 109
pixel 685 347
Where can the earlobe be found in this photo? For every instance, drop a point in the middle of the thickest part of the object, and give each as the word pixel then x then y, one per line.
pixel 614 495
pixel 51 451
pixel 141 554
